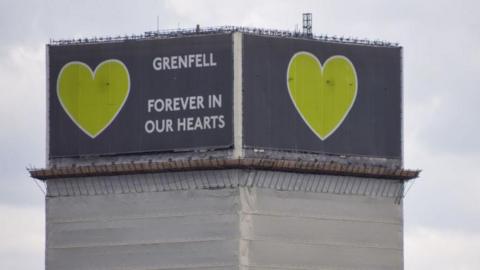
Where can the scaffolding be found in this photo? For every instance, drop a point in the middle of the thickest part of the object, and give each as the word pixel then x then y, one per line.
pixel 307 25
pixel 197 31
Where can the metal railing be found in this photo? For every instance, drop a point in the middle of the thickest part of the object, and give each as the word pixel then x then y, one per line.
pixel 185 32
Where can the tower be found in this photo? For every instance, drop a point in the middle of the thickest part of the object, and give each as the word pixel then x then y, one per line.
pixel 208 149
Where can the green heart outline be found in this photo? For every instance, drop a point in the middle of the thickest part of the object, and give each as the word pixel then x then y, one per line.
pixel 93 74
pixel 322 68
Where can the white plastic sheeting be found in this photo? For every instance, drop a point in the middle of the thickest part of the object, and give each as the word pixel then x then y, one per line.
pixel 235 227
pixel 297 230
pixel 163 230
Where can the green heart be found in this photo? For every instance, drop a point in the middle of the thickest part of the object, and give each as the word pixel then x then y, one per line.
pixel 324 95
pixel 93 99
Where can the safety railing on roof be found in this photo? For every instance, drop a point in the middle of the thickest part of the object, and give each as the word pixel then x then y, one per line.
pixel 184 32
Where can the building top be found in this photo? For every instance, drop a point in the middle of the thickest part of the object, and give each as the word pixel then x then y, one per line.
pixel 189 32
pixel 223 93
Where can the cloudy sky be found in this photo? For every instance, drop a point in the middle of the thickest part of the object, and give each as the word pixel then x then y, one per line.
pixel 441 65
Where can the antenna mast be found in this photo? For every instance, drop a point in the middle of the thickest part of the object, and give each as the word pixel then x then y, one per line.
pixel 307 24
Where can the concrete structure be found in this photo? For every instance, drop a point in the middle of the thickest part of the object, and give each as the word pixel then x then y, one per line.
pixel 231 209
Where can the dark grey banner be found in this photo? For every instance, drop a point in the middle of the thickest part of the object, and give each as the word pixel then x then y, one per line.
pixel 321 97
pixel 140 96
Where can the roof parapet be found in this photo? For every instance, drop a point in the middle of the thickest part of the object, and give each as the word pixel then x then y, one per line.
pixel 196 31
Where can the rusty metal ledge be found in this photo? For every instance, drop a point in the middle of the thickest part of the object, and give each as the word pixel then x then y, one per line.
pixel 299 166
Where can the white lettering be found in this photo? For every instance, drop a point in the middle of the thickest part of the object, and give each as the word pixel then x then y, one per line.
pixel 191 59
pixel 182 62
pixel 157 63
pixel 173 62
pixel 204 60
pixel 175 104
pixel 200 123
pixel 159 126
pixel 222 121
pixel 166 61
pixel 149 126
pixel 197 60
pixel 215 101
pixel 212 63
